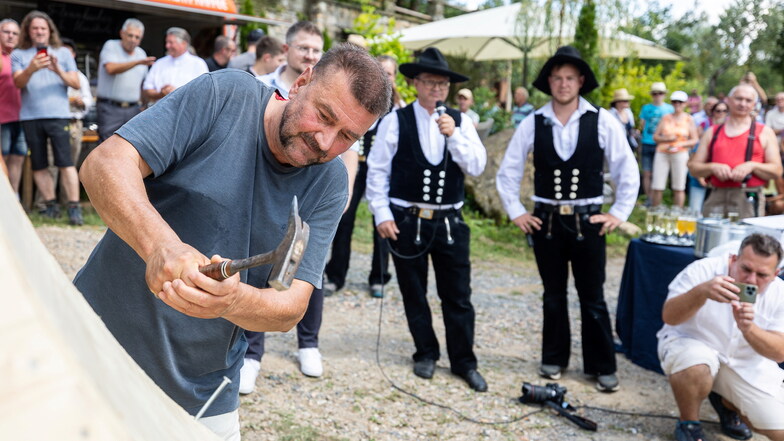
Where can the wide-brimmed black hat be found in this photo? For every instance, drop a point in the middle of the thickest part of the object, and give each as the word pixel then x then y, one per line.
pixel 566 55
pixel 431 61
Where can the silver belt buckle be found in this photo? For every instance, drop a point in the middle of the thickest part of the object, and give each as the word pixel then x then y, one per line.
pixel 425 213
pixel 565 210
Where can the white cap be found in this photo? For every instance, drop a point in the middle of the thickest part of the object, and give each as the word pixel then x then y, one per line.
pixel 679 95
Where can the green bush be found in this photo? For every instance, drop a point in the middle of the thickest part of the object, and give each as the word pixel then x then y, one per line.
pixel 383 40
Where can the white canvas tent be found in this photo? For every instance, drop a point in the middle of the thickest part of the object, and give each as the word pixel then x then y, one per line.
pixel 494 34
pixel 64 377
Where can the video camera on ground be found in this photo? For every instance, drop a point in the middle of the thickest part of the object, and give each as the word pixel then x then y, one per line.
pixel 533 394
pixel 552 395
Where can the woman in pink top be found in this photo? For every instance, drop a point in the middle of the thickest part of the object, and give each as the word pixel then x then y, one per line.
pixel 675 135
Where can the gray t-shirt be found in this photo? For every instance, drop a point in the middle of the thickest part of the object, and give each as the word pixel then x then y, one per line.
pixel 126 86
pixel 243 61
pixel 45 95
pixel 218 186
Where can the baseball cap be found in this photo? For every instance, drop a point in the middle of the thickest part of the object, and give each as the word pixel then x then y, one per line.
pixel 679 95
pixel 466 93
pixel 658 87
pixel 255 35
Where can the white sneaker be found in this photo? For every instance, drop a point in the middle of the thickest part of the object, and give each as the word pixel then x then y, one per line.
pixel 248 374
pixel 310 362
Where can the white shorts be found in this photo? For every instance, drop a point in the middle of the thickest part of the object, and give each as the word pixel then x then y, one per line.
pixel 225 425
pixel 764 409
pixel 672 164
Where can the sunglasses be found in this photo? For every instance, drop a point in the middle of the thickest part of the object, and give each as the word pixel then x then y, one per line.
pixel 677 102
pixel 657 93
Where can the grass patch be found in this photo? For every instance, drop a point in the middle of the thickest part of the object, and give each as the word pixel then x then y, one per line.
pixel 89 214
pixel 290 430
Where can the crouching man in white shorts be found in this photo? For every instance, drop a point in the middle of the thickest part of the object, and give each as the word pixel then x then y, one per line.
pixel 714 346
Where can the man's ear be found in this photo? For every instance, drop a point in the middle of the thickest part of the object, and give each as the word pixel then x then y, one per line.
pixel 302 80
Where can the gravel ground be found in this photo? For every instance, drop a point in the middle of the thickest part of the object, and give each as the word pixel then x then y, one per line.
pixel 355 399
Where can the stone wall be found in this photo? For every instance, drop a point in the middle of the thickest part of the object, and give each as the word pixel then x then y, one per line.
pixel 336 16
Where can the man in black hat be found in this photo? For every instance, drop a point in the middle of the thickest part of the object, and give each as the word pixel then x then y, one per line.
pixel 415 190
pixel 571 139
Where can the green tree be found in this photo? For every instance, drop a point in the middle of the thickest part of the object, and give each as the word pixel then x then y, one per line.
pixel 247 8
pixel 383 40
pixel 725 48
pixel 766 50
pixel 586 36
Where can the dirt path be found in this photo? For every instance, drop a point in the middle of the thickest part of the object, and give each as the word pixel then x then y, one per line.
pixel 354 400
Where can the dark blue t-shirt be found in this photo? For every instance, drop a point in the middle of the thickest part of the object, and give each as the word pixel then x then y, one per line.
pixel 217 185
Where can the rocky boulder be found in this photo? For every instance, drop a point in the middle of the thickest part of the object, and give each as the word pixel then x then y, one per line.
pixel 482 188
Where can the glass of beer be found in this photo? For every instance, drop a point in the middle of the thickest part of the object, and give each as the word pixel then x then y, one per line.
pixel 651 217
pixel 733 216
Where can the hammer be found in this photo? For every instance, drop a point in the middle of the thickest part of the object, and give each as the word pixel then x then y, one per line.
pixel 285 259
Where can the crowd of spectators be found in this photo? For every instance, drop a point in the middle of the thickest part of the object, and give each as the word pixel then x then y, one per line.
pixel 723 152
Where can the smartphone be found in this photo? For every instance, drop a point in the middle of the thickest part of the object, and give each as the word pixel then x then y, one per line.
pixel 42 50
pixel 748 293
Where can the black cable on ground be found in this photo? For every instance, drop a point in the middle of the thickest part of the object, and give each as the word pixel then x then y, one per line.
pixel 460 414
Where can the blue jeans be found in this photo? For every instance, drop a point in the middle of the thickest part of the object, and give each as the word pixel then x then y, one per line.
pixel 12 139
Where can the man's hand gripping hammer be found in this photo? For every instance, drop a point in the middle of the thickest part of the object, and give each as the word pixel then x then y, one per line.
pixel 285 259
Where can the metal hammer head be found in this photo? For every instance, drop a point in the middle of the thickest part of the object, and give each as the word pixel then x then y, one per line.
pixel 288 255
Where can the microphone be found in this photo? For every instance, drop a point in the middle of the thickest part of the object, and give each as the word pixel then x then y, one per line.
pixel 440 108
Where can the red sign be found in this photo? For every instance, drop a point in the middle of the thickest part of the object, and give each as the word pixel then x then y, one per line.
pixel 210 5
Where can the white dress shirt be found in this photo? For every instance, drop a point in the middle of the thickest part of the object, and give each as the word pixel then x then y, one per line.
pixel 175 71
pixel 714 324
pixel 82 92
pixel 612 139
pixel 465 149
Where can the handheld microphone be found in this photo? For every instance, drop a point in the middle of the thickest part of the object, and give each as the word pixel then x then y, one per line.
pixel 440 108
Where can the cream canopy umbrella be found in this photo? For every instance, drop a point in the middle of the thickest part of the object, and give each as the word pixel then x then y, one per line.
pixel 502 33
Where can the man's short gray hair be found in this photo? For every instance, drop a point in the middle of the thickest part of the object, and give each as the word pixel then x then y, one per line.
pixel 133 23
pixel 180 33
pixel 750 87
pixel 5 21
pixel 763 245
pixel 367 80
pixel 221 42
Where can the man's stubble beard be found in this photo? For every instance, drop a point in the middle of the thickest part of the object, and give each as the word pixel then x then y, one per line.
pixel 288 136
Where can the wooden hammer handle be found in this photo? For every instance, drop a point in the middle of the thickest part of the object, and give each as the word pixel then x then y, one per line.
pixel 218 271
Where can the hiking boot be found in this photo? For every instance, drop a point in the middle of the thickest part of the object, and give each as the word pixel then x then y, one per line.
pixel 75 214
pixel 376 291
pixel 689 431
pixel 550 371
pixel 607 383
pixel 328 287
pixel 731 425
pixel 51 209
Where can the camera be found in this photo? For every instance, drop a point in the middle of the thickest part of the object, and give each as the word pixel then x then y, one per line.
pixel 552 392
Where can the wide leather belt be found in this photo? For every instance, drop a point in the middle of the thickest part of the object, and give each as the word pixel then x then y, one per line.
pixel 425 213
pixel 123 104
pixel 567 210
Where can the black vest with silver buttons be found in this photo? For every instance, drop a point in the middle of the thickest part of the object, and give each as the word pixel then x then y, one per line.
pixel 413 178
pixel 579 177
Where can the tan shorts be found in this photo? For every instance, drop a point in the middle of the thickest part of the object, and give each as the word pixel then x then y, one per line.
pixel 225 425
pixel 764 409
pixel 672 165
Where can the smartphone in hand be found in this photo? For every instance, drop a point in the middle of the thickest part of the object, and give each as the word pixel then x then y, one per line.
pixel 42 50
pixel 748 293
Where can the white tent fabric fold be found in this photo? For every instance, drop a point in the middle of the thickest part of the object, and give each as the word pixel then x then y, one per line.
pixel 64 376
